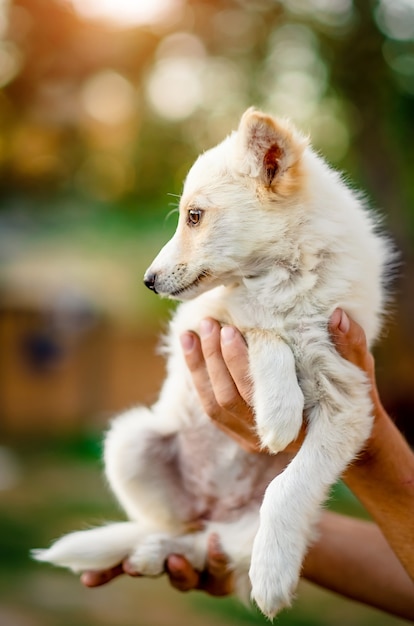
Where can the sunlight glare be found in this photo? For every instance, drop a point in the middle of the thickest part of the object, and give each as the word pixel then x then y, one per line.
pixel 126 12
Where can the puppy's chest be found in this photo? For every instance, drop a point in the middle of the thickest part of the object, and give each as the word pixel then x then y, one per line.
pixel 278 309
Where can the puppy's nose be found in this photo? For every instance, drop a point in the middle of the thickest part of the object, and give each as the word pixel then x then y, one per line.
pixel 149 281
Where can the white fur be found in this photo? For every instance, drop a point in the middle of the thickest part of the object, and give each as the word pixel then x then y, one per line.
pixel 281 242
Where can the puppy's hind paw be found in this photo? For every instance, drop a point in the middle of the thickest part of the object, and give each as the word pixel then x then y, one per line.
pixel 272 576
pixel 269 599
pixel 148 558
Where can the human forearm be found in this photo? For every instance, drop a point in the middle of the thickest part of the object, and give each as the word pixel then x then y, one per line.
pixel 352 558
pixel 382 477
pixel 383 480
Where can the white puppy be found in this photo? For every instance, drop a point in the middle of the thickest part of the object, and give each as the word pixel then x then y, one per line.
pixel 269 239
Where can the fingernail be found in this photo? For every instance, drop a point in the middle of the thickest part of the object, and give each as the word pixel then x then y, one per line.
pixel 344 324
pixel 206 328
pixel 88 580
pixel 174 565
pixel 187 342
pixel 228 333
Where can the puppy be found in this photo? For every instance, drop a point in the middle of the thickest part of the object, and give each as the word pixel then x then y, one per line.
pixel 271 240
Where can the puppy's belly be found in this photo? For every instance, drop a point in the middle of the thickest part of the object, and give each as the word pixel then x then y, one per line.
pixel 220 476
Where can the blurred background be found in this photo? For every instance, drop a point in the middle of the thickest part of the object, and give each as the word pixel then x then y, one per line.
pixel 104 104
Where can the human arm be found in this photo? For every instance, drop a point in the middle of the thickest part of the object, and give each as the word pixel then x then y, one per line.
pixel 382 477
pixel 216 578
pixel 351 557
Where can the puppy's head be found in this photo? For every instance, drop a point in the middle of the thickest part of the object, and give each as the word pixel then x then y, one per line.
pixel 237 203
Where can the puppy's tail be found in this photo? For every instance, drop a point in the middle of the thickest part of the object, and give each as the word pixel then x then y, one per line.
pixel 95 549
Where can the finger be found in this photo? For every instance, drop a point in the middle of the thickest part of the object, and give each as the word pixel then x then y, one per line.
pixel 181 574
pixel 235 355
pixel 217 561
pixel 196 364
pixel 349 339
pixel 233 414
pixel 217 578
pixel 99 578
pixel 225 390
pixel 236 424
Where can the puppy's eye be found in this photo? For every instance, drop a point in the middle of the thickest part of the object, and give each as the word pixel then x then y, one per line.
pixel 194 216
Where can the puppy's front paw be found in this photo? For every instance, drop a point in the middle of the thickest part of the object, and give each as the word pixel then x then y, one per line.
pixel 277 398
pixel 281 426
pixel 279 423
pixel 272 575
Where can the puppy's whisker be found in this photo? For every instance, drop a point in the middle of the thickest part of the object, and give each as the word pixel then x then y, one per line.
pixel 170 213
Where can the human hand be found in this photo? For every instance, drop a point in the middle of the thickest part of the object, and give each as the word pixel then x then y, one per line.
pixel 349 340
pixel 216 578
pixel 218 362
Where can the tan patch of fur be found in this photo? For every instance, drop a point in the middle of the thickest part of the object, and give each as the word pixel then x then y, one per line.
pixel 291 182
pixel 277 143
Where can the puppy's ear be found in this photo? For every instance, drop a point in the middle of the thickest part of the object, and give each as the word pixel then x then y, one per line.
pixel 267 147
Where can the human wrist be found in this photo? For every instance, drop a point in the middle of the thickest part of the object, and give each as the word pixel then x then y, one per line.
pixel 372 453
pixel 385 465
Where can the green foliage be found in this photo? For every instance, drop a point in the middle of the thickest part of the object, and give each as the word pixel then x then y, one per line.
pixel 237 614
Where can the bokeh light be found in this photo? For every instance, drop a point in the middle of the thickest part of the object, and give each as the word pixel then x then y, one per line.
pixel 126 12
pixel 175 85
pixel 10 62
pixel 396 18
pixel 333 13
pixel 109 97
pixel 294 79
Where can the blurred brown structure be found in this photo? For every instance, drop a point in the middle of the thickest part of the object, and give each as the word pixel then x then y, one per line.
pixel 59 375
